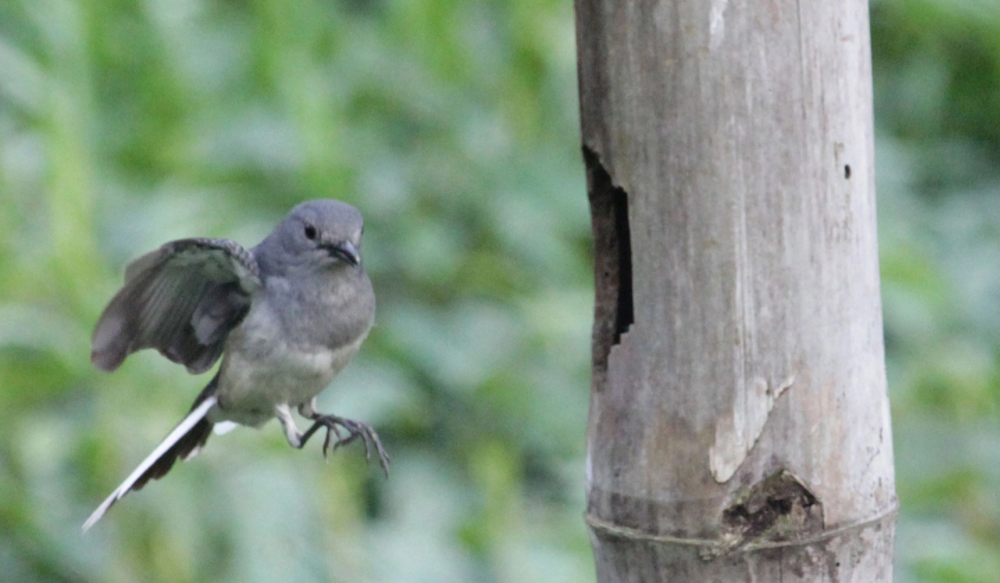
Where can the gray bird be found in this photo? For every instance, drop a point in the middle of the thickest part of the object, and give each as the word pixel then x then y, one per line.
pixel 285 316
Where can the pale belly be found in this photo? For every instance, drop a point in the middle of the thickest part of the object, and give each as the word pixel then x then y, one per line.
pixel 252 383
pixel 265 366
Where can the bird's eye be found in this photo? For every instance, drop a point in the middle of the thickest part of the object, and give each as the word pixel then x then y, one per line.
pixel 310 232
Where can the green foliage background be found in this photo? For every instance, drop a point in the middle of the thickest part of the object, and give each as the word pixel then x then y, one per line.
pixel 453 126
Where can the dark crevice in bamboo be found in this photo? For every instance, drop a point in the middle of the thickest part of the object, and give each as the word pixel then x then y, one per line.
pixel 609 211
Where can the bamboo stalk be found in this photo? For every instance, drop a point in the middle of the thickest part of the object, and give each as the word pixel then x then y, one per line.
pixel 739 425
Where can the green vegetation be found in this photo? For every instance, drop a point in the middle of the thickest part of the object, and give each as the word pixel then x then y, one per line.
pixel 453 126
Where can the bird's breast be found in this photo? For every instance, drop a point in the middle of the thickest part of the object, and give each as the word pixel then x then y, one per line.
pixel 264 366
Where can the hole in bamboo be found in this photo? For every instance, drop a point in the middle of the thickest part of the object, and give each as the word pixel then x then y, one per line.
pixel 624 315
pixel 613 311
pixel 779 508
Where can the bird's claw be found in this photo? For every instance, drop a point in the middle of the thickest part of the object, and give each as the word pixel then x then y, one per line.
pixel 355 429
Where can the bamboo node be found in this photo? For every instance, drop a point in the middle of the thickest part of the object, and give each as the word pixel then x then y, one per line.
pixel 711 549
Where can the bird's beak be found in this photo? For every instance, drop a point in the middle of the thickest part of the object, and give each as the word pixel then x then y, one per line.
pixel 346 252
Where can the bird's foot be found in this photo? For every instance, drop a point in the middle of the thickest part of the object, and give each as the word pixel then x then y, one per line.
pixel 334 425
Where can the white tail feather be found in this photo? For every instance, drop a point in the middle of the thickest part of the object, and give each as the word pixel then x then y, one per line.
pixel 190 421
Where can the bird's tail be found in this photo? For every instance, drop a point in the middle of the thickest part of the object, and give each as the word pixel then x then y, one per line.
pixel 184 442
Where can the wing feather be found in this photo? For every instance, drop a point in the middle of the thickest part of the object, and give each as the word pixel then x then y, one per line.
pixel 182 299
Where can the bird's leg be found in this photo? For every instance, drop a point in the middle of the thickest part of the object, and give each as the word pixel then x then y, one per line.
pixel 292 434
pixel 355 429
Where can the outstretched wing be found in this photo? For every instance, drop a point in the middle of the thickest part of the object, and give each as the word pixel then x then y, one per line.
pixel 182 299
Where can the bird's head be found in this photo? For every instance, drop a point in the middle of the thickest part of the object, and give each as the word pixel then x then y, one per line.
pixel 325 233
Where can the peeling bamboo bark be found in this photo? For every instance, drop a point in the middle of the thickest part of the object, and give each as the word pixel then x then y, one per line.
pixel 739 425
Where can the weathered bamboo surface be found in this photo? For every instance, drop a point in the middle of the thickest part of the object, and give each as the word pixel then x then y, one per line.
pixel 739 426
